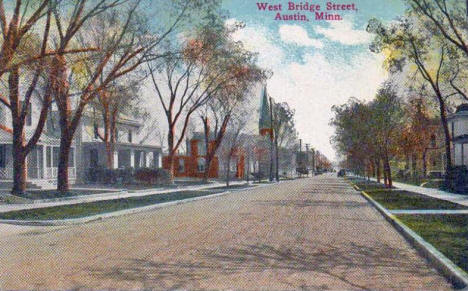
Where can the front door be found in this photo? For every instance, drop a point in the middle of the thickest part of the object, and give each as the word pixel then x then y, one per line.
pixel 93 158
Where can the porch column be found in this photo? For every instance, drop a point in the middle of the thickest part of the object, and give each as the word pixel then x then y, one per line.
pixel 157 161
pixel 462 154
pixel 116 160
pixel 44 162
pixel 132 158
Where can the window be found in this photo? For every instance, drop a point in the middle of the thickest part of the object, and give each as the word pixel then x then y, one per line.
pixel 201 165
pixel 71 157
pixel 55 156
pixel 130 137
pixel 29 115
pixel 93 158
pixel 181 168
pixel 48 157
pixel 96 131
pixel 2 156
pixel 201 148
pixel 453 129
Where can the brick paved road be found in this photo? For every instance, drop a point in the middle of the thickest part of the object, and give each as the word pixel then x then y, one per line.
pixel 312 233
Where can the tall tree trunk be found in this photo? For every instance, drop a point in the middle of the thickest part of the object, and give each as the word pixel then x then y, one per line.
pixel 171 152
pixel 443 118
pixel 388 170
pixel 414 167
pixel 18 152
pixel 378 170
pixel 63 184
pixel 19 171
pixel 228 169
pixel 424 161
pixel 277 157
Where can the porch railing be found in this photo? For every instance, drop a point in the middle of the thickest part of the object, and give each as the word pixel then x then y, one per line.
pixel 36 173
pixel 6 173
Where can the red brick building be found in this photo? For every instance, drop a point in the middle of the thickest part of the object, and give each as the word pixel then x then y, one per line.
pixel 194 164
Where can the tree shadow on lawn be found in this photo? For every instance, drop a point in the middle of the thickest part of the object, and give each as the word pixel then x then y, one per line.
pixel 352 264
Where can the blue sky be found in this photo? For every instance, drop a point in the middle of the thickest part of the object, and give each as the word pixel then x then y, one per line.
pixel 316 64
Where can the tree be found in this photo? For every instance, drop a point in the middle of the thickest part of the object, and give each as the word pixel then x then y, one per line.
pixel 123 48
pixel 284 130
pixel 234 138
pixel 406 41
pixel 354 136
pixel 20 60
pixel 387 117
pixel 444 19
pixel 112 104
pixel 186 81
pixel 244 75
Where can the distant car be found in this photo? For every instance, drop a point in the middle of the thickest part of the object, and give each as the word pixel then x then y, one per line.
pixel 341 173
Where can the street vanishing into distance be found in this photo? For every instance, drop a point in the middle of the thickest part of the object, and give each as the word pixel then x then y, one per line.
pixel 310 233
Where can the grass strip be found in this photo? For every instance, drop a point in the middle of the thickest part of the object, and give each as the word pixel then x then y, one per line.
pixel 50 194
pixel 98 207
pixel 448 233
pixel 405 200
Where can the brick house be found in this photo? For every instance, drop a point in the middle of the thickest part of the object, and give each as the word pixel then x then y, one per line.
pixel 193 164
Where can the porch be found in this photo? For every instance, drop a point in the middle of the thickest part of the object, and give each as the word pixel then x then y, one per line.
pixel 41 163
pixel 124 156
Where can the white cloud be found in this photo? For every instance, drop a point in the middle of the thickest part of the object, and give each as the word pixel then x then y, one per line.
pixel 255 39
pixel 343 32
pixel 297 35
pixel 314 86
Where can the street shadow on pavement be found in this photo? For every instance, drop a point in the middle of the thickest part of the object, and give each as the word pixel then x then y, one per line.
pixel 312 203
pixel 356 266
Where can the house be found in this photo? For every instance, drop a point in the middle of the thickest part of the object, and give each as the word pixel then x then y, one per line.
pixel 128 151
pixel 42 161
pixel 193 164
pixel 458 126
pixel 87 150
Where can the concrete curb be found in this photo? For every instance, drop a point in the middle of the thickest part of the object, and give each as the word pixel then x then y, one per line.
pixel 81 220
pixel 445 266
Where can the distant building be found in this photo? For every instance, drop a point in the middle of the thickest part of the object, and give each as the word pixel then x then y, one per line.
pixel 193 164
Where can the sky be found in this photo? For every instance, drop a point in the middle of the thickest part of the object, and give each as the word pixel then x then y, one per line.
pixel 316 64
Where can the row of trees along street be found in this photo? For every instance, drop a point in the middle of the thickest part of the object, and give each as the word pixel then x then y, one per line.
pixel 71 56
pixel 426 54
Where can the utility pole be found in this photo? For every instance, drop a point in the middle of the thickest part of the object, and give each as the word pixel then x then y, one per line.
pixel 271 140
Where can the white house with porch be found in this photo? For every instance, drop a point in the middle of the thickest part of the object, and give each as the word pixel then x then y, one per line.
pixel 458 126
pixel 128 151
pixel 87 149
pixel 42 161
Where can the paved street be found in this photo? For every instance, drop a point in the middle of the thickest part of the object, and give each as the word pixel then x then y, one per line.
pixel 315 233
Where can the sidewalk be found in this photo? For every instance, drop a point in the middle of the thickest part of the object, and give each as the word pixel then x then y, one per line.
pixel 105 196
pixel 435 193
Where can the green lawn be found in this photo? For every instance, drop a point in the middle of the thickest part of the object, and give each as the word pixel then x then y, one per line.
pixel 50 194
pixel 365 184
pixel 447 233
pixel 399 199
pixel 93 208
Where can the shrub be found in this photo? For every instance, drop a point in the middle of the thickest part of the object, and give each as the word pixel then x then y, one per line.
pixel 457 179
pixel 153 176
pixel 258 175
